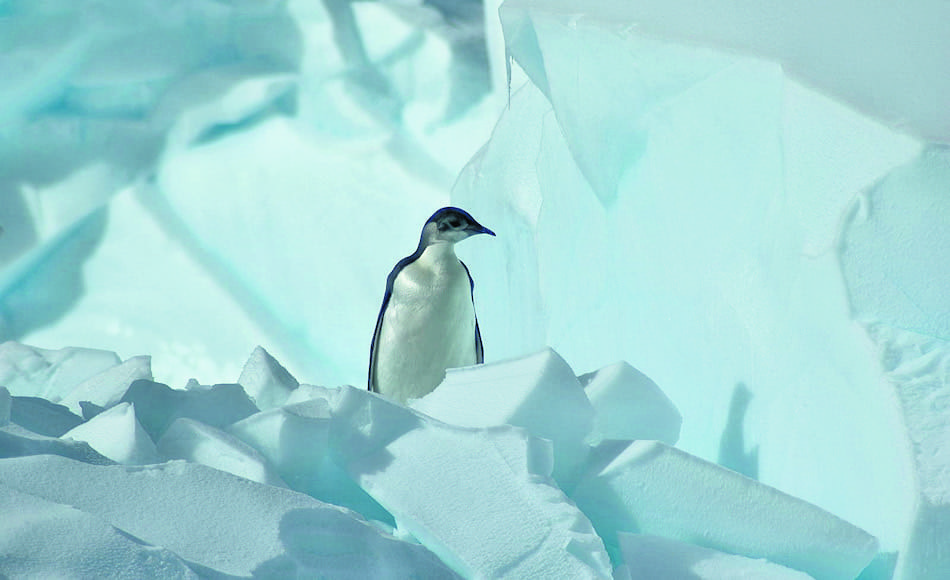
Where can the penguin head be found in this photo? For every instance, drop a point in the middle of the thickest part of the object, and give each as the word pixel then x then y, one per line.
pixel 451 225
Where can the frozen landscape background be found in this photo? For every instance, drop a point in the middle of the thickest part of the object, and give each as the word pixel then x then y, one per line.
pixel 746 202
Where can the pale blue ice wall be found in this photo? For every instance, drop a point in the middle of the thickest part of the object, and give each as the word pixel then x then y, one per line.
pixel 743 236
pixel 185 180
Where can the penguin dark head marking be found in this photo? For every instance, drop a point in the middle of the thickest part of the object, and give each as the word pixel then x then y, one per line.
pixel 450 225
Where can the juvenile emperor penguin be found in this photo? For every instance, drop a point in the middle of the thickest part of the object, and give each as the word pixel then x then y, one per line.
pixel 427 321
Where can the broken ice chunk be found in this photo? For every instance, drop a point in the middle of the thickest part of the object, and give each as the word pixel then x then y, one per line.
pixel 432 476
pixel 40 416
pixel 106 388
pixel 265 380
pixel 656 557
pixel 5 402
pixel 51 540
pixel 295 440
pixel 223 525
pixel 116 434
pixel 157 405
pixel 15 441
pixel 196 442
pixel 305 393
pixel 34 372
pixel 538 392
pixel 628 405
pixel 652 488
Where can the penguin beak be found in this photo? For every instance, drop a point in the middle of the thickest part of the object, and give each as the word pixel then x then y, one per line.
pixel 477 228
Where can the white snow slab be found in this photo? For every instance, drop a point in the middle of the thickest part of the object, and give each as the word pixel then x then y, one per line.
pixel 886 60
pixel 538 392
pixel 295 439
pixel 157 405
pixel 653 557
pixel 479 498
pixel 223 524
pixel 41 416
pixel 305 393
pixel 628 405
pixel 106 388
pixel 5 402
pixel 916 369
pixel 15 441
pixel 35 372
pixel 117 434
pixel 196 442
pixel 652 488
pixel 42 539
pixel 265 380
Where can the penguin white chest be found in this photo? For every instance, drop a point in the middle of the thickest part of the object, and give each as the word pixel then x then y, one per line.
pixel 428 326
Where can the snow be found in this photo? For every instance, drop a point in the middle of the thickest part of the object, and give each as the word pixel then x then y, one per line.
pixel 652 488
pixel 265 380
pixel 658 557
pixel 741 202
pixel 628 405
pixel 116 434
pixel 538 392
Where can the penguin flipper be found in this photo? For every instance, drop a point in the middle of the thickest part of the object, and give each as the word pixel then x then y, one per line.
pixel 390 280
pixel 479 349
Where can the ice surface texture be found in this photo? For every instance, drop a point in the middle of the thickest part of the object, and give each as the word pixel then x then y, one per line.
pixel 478 495
pixel 691 187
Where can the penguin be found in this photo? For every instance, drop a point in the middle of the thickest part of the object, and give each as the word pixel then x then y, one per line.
pixel 427 321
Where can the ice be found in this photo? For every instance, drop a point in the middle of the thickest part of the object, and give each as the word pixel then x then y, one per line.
pixel 656 557
pixel 5 403
pixel 157 405
pixel 41 416
pixel 266 381
pixel 739 198
pixel 431 476
pixel 652 488
pixel 16 441
pixel 223 525
pixel 295 439
pixel 116 434
pixel 42 539
pixel 199 443
pixel 703 249
pixel 538 392
pixel 51 374
pixel 628 405
pixel 106 388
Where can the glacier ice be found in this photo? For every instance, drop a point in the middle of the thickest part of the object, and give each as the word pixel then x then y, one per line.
pixel 41 416
pixel 53 540
pixel 737 198
pixel 265 380
pixel 538 392
pixel 652 488
pixel 657 557
pixel 431 476
pixel 199 443
pixel 157 405
pixel 628 406
pixel 106 388
pixel 117 434
pixel 279 532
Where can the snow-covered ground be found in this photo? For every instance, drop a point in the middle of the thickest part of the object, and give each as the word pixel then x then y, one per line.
pixel 728 221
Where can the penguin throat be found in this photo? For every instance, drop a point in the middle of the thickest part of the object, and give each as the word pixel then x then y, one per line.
pixel 439 252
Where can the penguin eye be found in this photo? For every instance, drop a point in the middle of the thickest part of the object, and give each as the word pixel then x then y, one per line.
pixel 454 223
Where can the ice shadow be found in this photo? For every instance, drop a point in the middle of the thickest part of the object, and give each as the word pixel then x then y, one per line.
pixel 49 283
pixel 460 22
pixel 732 445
